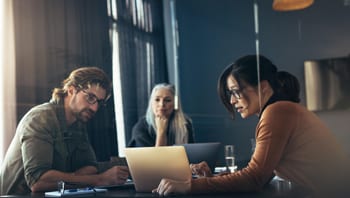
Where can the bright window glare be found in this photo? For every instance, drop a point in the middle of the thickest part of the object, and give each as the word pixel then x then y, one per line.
pixel 1 73
pixel 142 20
pixel 7 77
pixel 118 100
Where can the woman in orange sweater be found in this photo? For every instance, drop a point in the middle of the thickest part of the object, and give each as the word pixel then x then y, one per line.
pixel 291 142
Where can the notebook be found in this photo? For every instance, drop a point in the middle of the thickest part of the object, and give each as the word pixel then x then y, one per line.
pixel 208 151
pixel 148 165
pixel 128 184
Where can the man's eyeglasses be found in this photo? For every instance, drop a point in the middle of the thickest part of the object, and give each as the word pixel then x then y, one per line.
pixel 237 94
pixel 92 99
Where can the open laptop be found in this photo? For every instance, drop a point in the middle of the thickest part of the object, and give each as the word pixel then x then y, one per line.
pixel 208 151
pixel 148 165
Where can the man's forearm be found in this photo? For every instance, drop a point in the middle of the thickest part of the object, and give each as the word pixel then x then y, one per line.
pixel 49 180
pixel 87 170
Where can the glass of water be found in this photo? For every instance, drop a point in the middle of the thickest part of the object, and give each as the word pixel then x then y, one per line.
pixel 230 158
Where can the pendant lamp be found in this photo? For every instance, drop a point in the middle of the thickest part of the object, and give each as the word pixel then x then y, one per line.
pixel 290 5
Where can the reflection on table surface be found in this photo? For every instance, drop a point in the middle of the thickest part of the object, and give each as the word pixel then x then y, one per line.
pixel 276 188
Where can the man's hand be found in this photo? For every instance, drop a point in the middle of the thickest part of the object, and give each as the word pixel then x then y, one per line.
pixel 114 175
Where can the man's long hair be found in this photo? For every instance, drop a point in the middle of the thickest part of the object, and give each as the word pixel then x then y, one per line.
pixel 83 78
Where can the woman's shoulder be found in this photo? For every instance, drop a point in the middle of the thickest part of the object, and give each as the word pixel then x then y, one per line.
pixel 286 105
pixel 188 118
pixel 284 108
pixel 141 123
pixel 142 119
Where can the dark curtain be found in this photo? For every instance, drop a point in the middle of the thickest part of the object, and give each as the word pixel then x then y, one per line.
pixel 53 37
pixel 141 46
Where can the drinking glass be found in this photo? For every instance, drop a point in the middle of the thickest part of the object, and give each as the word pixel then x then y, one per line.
pixel 230 158
pixel 61 187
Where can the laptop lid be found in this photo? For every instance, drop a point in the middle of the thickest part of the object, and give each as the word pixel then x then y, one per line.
pixel 148 165
pixel 198 152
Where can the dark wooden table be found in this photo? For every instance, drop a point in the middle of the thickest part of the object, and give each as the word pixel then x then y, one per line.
pixel 275 189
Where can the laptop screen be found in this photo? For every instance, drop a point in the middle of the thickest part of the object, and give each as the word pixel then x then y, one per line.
pixel 198 152
pixel 148 165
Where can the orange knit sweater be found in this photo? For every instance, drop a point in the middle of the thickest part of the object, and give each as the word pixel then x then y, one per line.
pixel 292 143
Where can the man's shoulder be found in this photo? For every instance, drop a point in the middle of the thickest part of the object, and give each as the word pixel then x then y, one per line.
pixel 39 118
pixel 45 108
pixel 42 111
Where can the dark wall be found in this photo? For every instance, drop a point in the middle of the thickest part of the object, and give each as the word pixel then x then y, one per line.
pixel 213 34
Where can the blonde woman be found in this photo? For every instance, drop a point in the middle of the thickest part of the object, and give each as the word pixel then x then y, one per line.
pixel 163 124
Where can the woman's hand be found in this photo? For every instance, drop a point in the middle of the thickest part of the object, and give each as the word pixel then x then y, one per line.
pixel 161 126
pixel 202 169
pixel 168 187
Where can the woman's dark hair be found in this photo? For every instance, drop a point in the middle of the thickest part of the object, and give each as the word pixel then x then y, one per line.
pixel 289 86
pixel 245 70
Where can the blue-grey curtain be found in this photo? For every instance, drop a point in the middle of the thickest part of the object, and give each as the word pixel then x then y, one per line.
pixel 141 46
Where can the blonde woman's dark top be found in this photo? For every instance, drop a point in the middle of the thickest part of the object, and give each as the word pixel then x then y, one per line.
pixel 143 135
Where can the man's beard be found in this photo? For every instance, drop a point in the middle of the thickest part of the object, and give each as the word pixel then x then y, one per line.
pixel 83 118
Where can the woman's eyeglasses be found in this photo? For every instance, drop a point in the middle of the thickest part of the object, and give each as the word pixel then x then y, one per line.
pixel 236 93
